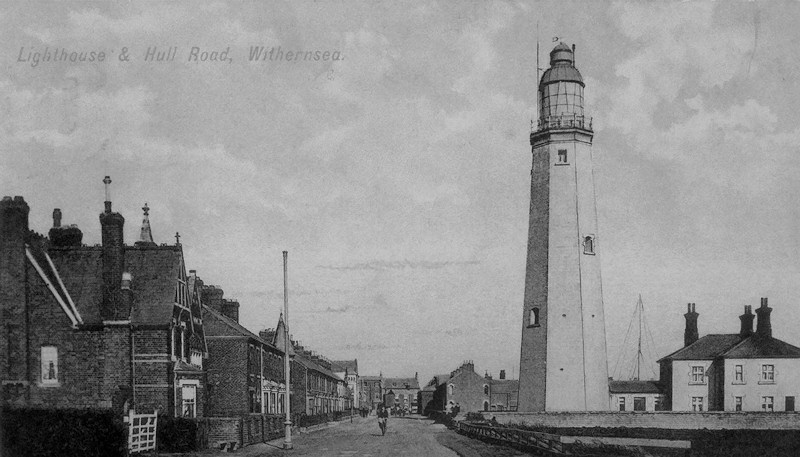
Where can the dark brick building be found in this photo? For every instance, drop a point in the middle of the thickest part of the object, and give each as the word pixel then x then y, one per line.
pixel 106 326
pixel 471 391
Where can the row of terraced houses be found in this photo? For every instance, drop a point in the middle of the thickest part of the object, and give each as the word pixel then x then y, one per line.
pixel 121 327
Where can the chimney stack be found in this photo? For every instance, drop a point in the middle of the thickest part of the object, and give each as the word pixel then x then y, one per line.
pixel 502 374
pixel 13 287
pixel 747 322
pixel 764 326
pixel 690 335
pixel 113 259
pixel 64 235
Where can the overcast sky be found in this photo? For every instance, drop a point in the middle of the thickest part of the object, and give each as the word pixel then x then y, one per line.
pixel 398 175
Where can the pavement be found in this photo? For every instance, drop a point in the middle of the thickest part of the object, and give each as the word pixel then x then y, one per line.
pixel 406 436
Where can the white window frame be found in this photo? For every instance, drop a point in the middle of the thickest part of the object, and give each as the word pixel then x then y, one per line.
pixel 697 371
pixel 768 404
pixel 49 355
pixel 189 385
pixel 767 373
pixel 697 404
pixel 738 403
pixel 621 404
pixel 738 374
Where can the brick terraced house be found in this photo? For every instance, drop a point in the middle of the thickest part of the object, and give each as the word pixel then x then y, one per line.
pixel 245 375
pixel 106 326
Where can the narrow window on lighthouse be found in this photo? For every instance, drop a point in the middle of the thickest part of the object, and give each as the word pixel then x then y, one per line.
pixel 588 245
pixel 562 156
pixel 534 318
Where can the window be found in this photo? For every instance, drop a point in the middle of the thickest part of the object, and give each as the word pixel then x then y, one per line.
pixel 197 358
pixel 657 404
pixel 588 245
pixel 767 404
pixel 697 403
pixel 698 372
pixel 562 156
pixel 189 400
pixel 767 374
pixel 49 365
pixel 737 403
pixel 639 404
pixel 789 404
pixel 738 374
pixel 452 388
pixel 622 403
pixel 486 406
pixel 533 319
pixel 486 389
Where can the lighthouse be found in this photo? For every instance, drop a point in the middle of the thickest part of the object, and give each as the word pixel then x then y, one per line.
pixel 563 365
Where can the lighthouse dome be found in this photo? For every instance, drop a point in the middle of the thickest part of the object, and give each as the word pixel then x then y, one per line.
pixel 562 67
pixel 561 92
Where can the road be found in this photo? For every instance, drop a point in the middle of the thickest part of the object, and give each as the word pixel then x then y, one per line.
pixel 408 436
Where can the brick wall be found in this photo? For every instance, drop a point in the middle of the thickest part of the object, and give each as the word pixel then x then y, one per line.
pixel 227 377
pixel 668 420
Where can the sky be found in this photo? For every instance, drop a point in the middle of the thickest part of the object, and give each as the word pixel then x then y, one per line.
pixel 395 169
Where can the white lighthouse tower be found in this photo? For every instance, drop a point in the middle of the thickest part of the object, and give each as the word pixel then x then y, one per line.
pixel 563 363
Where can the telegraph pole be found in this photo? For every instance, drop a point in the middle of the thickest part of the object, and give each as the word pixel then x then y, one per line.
pixel 287 441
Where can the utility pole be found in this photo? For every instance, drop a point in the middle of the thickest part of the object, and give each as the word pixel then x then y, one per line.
pixel 287 441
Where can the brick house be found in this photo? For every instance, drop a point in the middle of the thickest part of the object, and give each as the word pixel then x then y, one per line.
pixel 471 391
pixel 402 393
pixel 315 388
pixel 105 326
pixel 370 391
pixel 245 375
pixel 348 370
pixel 745 371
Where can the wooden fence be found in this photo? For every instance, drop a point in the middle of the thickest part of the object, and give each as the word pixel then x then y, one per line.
pixel 526 439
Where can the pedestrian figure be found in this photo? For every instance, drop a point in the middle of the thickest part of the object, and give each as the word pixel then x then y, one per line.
pixel 383 417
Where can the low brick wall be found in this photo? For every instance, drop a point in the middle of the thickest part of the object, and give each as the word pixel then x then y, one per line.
pixel 660 419
pixel 245 430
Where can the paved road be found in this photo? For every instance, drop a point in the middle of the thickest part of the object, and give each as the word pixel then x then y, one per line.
pixel 406 436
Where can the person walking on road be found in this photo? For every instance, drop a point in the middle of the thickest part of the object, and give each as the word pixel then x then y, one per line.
pixel 383 417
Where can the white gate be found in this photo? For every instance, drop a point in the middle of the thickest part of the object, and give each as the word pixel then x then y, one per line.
pixel 141 431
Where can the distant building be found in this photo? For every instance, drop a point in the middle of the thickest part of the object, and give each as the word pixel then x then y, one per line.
pixel 401 392
pixel 108 326
pixel 315 388
pixel 471 391
pixel 370 391
pixel 348 370
pixel 503 393
pixel 635 395
pixel 745 371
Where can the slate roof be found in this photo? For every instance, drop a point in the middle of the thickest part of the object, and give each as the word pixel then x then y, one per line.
pixel 340 366
pixel 155 270
pixel 81 269
pixel 400 383
pixel 231 327
pixel 733 346
pixel 706 348
pixel 757 346
pixel 634 387
pixel 505 386
pixel 310 364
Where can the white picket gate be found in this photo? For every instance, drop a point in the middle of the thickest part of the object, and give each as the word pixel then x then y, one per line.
pixel 141 431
